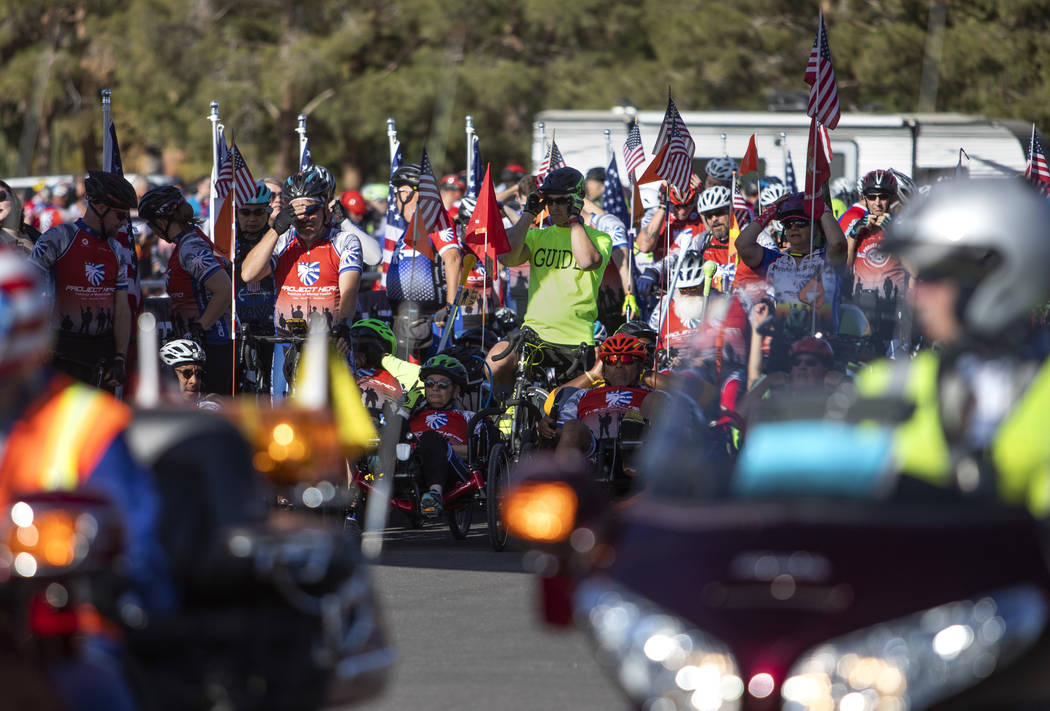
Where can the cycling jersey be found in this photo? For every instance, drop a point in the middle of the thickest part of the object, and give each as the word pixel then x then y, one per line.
pixel 192 263
pixel 563 298
pixel 449 423
pixel 680 229
pixel 855 213
pixel 411 275
pixel 307 276
pixel 378 387
pixel 255 299
pixel 800 285
pixel 872 266
pixel 603 409
pixel 85 270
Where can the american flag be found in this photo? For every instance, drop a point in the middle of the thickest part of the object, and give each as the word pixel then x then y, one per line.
pixel 612 198
pixel 474 176
pixel 674 149
pixel 429 207
pixel 1036 170
pixel 111 162
pixel 395 223
pixel 820 75
pixel 789 175
pixel 305 159
pixel 223 171
pixel 552 161
pixel 742 209
pixel 242 178
pixel 819 170
pixel 633 153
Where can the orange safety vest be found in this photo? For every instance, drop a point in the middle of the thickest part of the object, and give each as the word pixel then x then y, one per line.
pixel 59 440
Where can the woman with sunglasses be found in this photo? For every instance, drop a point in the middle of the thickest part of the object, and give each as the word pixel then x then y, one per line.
pixel 14 232
pixel 197 282
pixel 440 429
pixel 88 269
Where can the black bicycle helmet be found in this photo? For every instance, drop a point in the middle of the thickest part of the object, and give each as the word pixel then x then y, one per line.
pixel 638 329
pixel 407 174
pixel 879 181
pixel 160 202
pixel 448 366
pixel 564 180
pixel 329 182
pixel 109 189
pixel 307 183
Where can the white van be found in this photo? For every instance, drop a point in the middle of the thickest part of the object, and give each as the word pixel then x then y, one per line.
pixel 921 145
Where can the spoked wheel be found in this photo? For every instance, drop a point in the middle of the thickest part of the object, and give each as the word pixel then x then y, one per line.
pixel 459 521
pixel 495 490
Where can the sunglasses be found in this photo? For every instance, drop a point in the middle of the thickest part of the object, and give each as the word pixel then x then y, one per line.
pixel 877 196
pixel 252 211
pixel 439 384
pixel 806 362
pixel 620 359
pixel 789 224
pixel 717 213
pixel 560 201
pixel 691 290
pixel 188 373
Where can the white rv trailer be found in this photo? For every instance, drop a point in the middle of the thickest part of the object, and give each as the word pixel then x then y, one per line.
pixel 921 145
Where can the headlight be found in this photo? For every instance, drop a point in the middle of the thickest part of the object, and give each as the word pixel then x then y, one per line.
pixel 915 661
pixel 660 662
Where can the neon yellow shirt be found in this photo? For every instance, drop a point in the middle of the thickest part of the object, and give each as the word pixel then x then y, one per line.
pixel 563 299
pixel 406 373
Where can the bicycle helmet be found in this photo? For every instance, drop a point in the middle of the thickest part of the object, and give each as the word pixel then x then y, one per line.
pixel 844 189
pixel 992 237
pixel 448 366
pixel 263 195
pixel 329 182
pixel 564 180
pixel 906 188
pixel 771 194
pixel 689 199
pixel 182 350
pixel 377 328
pixel 407 174
pixel 716 197
pixel 638 329
pixel 622 344
pixel 813 346
pixel 109 189
pixel 25 317
pixel 691 272
pixel 353 202
pixel 309 183
pixel 160 203
pixel 721 168
pixel 879 181
pixel 374 191
pixel 600 332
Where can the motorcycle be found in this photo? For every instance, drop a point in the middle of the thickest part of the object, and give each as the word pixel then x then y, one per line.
pixel 792 582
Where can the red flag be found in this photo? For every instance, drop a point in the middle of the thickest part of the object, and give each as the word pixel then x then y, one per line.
pixel 820 75
pixel 485 235
pixel 819 168
pixel 417 236
pixel 673 160
pixel 750 159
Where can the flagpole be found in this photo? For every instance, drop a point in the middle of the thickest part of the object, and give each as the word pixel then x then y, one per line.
pixel 608 146
pixel 107 141
pixel 301 130
pixel 668 281
pixel 1031 153
pixel 468 128
pixel 783 155
pixel 725 151
pixel 213 116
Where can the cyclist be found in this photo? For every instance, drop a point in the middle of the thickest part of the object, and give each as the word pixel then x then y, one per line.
pixel 566 263
pixel 14 232
pixel 189 364
pixel 686 222
pixel 440 429
pixel 88 273
pixel 255 300
pixel 373 341
pixel 197 283
pixel 316 268
pixel 420 290
pixel 773 235
pixel 678 315
pixel 978 404
pixel 597 413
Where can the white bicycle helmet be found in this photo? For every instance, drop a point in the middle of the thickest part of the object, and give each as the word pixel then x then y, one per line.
pixel 182 350
pixel 691 273
pixel 768 196
pixel 906 188
pixel 721 168
pixel 714 198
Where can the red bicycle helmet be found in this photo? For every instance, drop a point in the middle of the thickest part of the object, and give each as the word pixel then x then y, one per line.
pixel 354 202
pixel 813 346
pixel 688 199
pixel 622 344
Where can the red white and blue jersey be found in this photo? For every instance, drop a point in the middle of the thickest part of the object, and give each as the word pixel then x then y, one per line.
pixel 449 423
pixel 378 387
pixel 307 276
pixel 603 409
pixel 852 216
pixel 192 263
pixel 85 271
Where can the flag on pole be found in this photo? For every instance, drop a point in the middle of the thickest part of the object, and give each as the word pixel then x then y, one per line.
pixel 223 170
pixel 820 75
pixel 789 175
pixel 673 152
pixel 742 211
pixel 474 170
pixel 485 234
pixel 222 224
pixel 1036 170
pixel 750 160
pixel 430 215
pixel 395 224
pixel 111 162
pixel 551 162
pixel 244 183
pixel 613 201
pixel 633 153
pixel 820 170
pixel 305 159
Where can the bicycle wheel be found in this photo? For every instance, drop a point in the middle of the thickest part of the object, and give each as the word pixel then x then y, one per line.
pixel 459 521
pixel 495 490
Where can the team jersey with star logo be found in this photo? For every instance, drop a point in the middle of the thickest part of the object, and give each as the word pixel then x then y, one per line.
pixel 603 409
pixel 85 271
pixel 192 263
pixel 449 423
pixel 307 277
